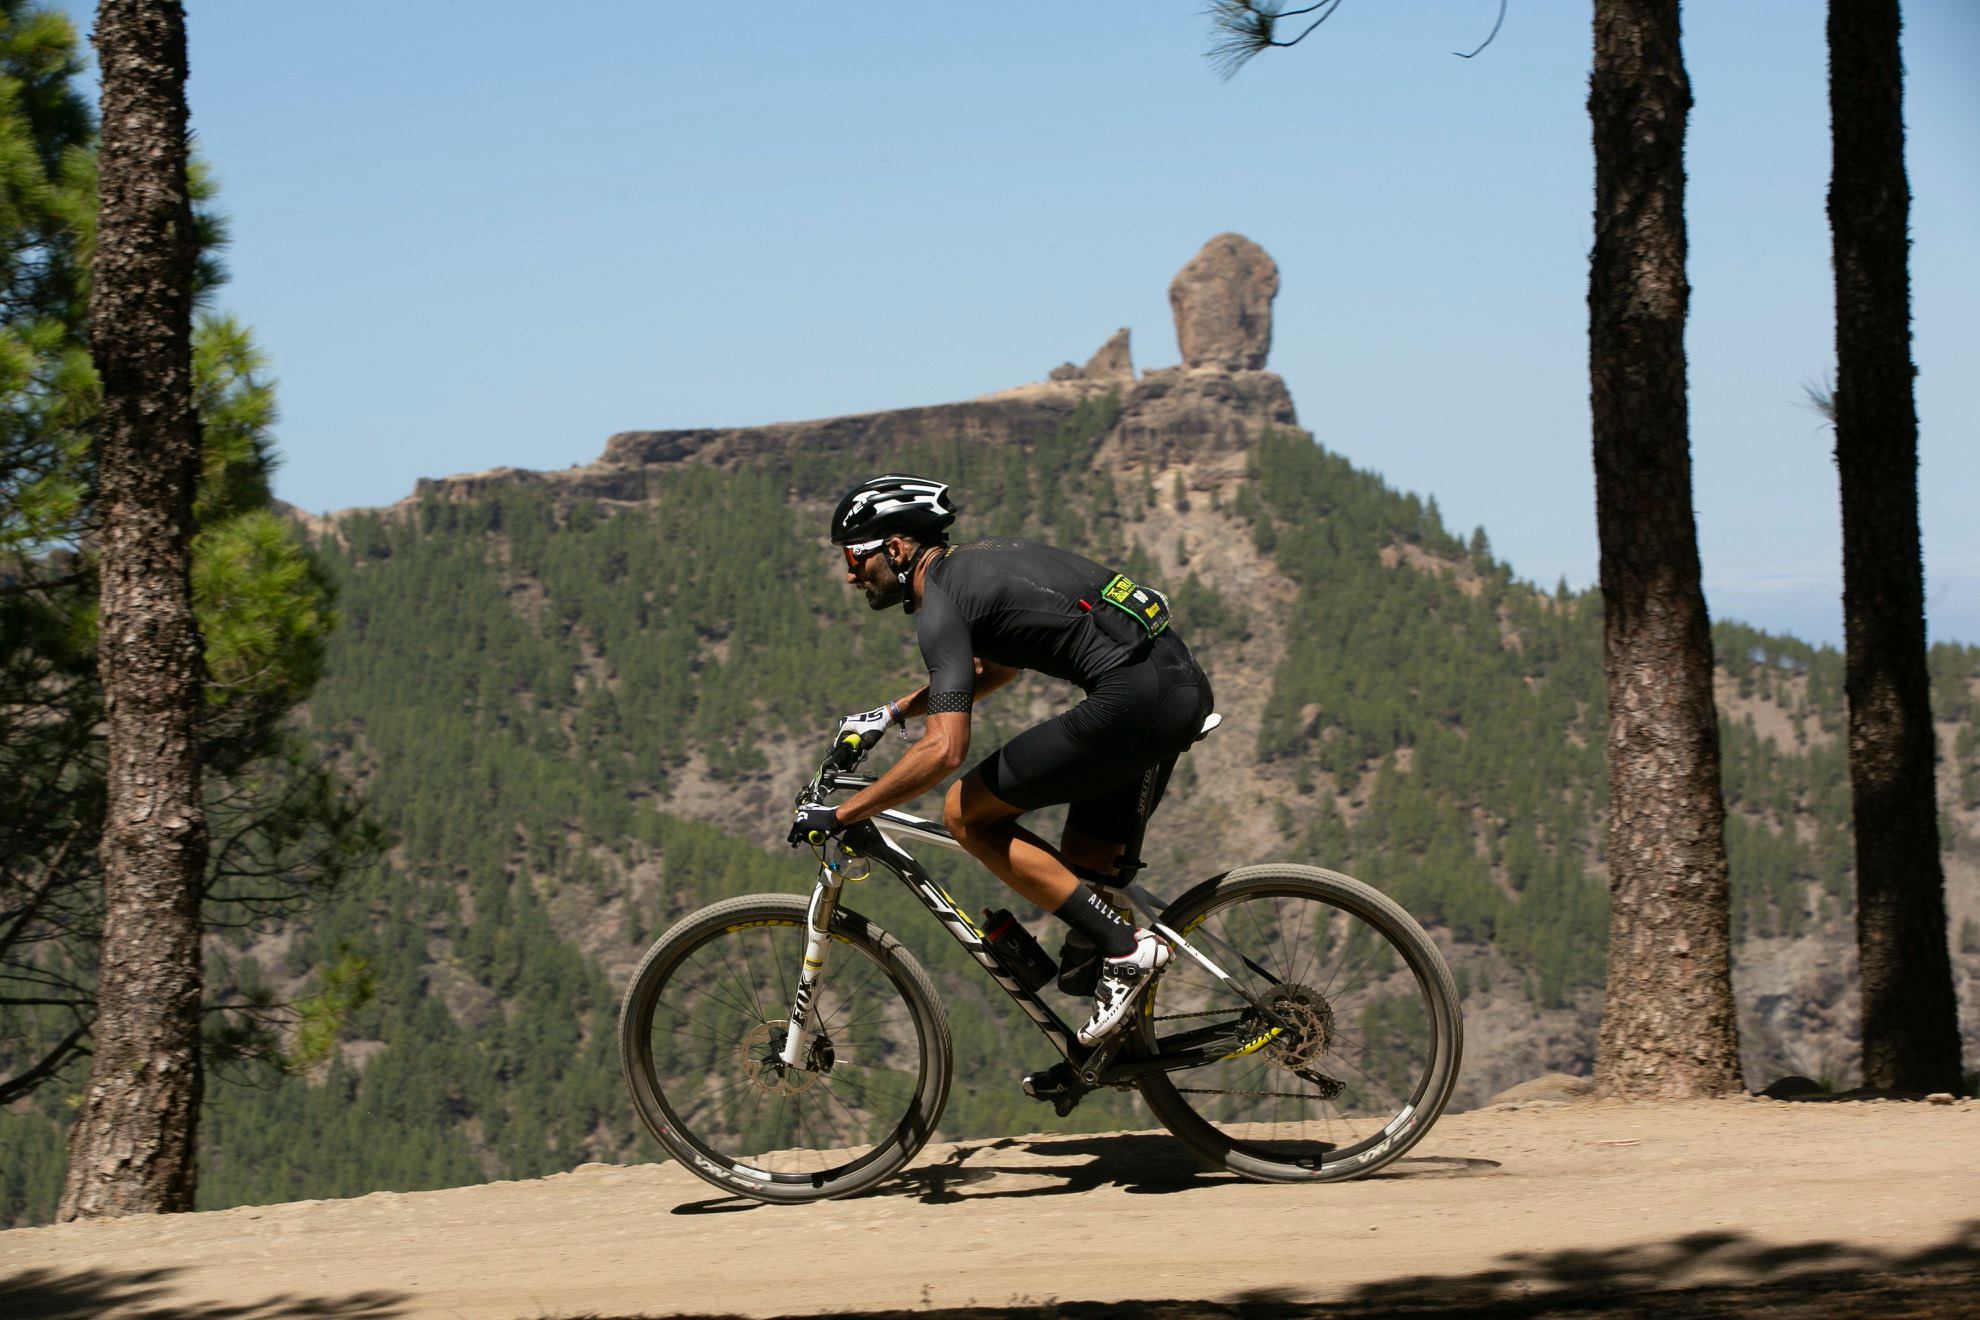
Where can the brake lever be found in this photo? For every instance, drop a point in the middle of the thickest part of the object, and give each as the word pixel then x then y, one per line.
pixel 844 757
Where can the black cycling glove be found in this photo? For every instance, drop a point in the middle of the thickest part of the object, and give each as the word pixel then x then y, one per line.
pixel 815 823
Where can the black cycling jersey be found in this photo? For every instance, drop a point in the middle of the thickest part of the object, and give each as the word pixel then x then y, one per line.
pixel 1031 606
pixel 1021 604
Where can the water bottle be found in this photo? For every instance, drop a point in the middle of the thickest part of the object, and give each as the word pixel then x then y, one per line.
pixel 1028 964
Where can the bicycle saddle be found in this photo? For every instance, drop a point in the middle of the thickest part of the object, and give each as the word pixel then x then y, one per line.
pixel 1209 725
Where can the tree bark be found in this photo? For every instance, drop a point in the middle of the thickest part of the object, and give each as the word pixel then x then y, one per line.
pixel 1668 1026
pixel 1910 1016
pixel 132 1149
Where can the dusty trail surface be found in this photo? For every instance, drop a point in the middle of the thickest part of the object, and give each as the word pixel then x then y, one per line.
pixel 1790 1209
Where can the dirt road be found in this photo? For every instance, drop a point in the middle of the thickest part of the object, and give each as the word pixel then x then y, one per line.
pixel 1864 1207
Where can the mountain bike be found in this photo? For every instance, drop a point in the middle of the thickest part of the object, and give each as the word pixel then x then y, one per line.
pixel 787 1048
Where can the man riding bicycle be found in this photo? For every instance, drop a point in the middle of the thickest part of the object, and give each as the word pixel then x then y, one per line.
pixel 985 610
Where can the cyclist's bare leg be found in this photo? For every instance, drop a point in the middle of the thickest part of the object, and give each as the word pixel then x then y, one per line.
pixel 986 827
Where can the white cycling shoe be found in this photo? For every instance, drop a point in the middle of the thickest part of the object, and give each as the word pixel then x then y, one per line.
pixel 1122 980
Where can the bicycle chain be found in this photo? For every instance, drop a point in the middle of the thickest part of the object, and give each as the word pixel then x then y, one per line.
pixel 1204 1090
pixel 1211 1090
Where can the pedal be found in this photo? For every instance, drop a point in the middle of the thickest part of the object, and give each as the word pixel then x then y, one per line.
pixel 1059 1084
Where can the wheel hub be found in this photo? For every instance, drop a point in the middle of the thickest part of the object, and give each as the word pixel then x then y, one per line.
pixel 1309 1021
pixel 759 1054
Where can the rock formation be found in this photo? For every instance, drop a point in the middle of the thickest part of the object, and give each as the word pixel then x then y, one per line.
pixel 1223 305
pixel 1110 362
pixel 1217 402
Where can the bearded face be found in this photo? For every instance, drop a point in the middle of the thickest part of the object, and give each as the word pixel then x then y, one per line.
pixel 871 575
pixel 883 590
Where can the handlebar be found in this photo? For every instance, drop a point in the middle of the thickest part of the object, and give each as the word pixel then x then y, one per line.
pixel 849 751
pixel 846 754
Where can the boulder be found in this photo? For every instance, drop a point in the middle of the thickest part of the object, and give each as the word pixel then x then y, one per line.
pixel 1559 1087
pixel 1223 305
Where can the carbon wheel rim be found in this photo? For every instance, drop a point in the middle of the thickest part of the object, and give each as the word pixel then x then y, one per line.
pixel 1353 1076
pixel 705 1034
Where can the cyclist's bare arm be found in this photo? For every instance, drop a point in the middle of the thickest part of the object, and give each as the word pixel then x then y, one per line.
pixel 938 754
pixel 935 757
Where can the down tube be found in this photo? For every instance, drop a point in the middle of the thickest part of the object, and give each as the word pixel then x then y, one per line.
pixel 937 900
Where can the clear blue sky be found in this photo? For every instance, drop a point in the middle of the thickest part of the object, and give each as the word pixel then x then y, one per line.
pixel 472 234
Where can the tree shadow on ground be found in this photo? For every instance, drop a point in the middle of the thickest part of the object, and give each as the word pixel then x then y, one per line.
pixel 45 1294
pixel 1702 1276
pixel 1140 1163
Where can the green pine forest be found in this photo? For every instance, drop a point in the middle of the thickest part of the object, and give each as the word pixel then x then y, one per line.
pixel 520 682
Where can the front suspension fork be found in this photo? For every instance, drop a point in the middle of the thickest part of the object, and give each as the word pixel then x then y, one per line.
pixel 817 936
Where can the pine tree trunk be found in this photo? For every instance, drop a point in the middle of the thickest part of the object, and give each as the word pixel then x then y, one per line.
pixel 132 1149
pixel 1910 1018
pixel 1668 1026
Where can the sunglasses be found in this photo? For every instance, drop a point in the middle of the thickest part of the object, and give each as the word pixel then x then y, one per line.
pixel 860 551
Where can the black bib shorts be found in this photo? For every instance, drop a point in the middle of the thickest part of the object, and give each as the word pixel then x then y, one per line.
pixel 1136 718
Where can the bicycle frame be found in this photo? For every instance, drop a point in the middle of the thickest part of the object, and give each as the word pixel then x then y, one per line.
pixel 876 840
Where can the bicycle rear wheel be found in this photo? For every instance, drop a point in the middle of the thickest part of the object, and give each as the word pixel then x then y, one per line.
pixel 1366 1046
pixel 705 1016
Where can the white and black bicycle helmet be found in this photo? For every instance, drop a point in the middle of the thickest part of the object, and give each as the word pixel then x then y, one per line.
pixel 893 505
pixel 896 504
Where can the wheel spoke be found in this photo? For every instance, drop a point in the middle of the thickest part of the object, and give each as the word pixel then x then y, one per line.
pixel 713 1081
pixel 1364 1050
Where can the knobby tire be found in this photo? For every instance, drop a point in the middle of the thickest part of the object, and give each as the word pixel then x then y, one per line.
pixel 685 1047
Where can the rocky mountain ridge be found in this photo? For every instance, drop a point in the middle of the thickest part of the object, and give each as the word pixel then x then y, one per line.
pixel 1213 403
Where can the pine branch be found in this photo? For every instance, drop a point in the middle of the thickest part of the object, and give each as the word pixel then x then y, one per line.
pixel 70 1047
pixel 22 586
pixel 1489 36
pixel 1247 27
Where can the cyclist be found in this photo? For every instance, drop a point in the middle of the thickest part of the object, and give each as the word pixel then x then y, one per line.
pixel 983 611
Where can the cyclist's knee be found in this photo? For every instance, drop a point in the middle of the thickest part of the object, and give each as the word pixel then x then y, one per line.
pixel 952 811
pixel 970 806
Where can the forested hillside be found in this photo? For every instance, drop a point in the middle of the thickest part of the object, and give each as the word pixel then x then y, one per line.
pixel 581 716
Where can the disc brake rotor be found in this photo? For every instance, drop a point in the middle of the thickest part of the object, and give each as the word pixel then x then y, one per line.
pixel 1312 1021
pixel 757 1054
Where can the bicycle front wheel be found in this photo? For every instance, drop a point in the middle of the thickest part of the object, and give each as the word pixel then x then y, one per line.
pixel 1358 1055
pixel 705 1017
